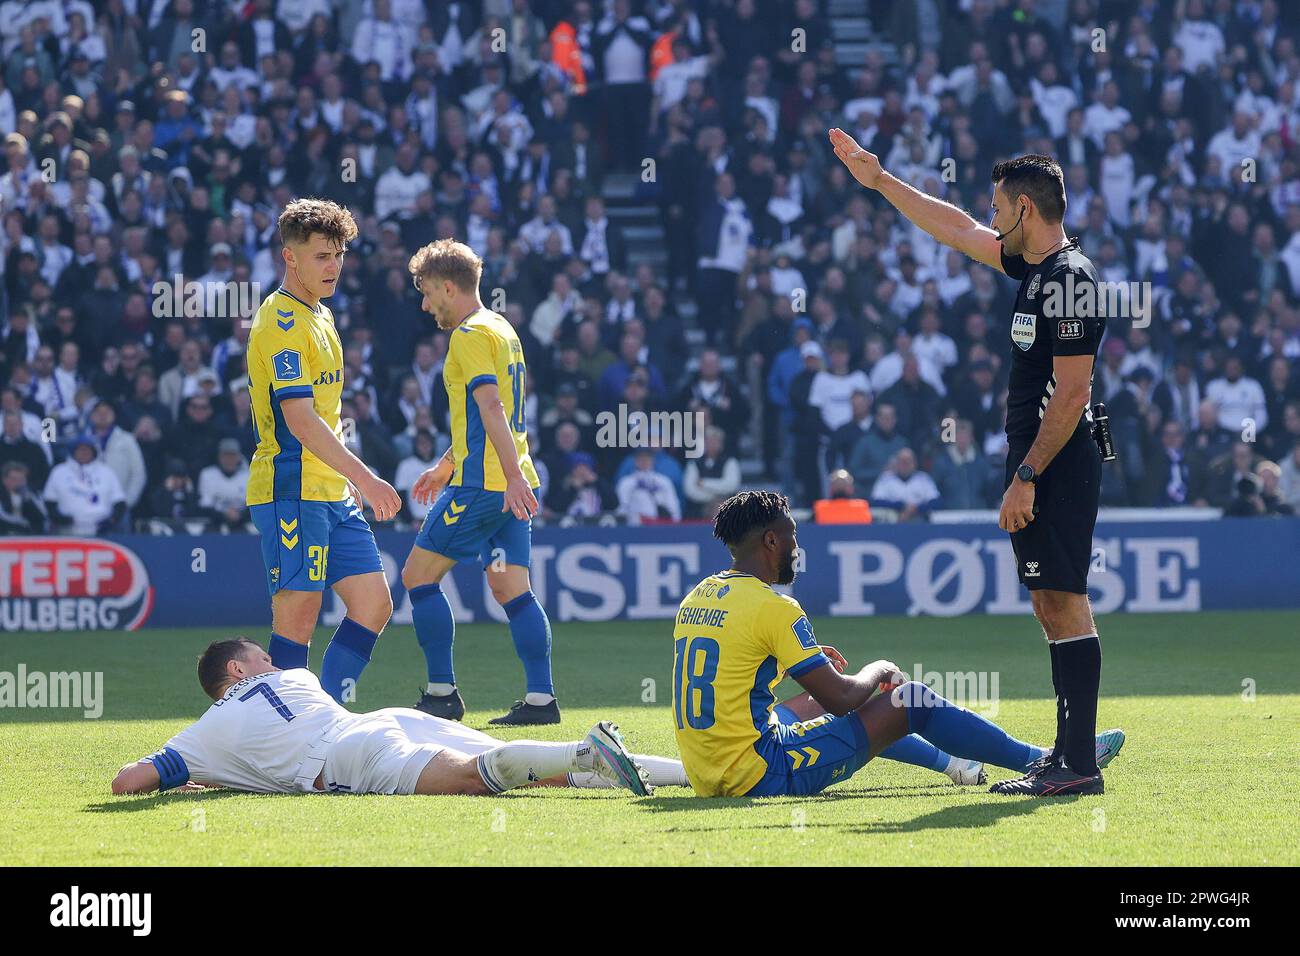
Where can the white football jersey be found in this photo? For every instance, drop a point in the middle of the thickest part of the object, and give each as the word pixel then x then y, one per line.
pixel 256 737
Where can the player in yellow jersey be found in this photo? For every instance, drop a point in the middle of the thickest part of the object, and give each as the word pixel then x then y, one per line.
pixel 735 638
pixel 305 488
pixel 482 489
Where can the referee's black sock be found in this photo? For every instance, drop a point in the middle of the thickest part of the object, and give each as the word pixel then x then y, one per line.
pixel 1079 661
pixel 1059 747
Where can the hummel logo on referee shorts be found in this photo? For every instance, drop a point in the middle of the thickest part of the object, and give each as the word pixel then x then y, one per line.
pixel 1031 569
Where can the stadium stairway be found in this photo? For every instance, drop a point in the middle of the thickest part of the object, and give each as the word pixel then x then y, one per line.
pixel 855 36
pixel 629 204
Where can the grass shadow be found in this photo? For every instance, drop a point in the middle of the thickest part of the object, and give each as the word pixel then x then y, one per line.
pixel 150 801
pixel 960 816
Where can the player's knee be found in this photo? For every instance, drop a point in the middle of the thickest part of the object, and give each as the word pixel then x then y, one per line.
pixel 452 774
pixel 412 577
pixel 1057 612
pixel 382 607
pixel 914 694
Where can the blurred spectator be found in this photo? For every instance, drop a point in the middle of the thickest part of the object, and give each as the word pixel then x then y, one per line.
pixel 120 451
pixel 579 492
pixel 712 477
pixel 21 511
pixel 722 241
pixel 721 396
pixel 905 489
pixel 175 499
pixel 195 437
pixel 424 455
pixel 1209 438
pixel 1179 395
pixel 1239 399
pixel 18 448
pixel 645 494
pixel 916 401
pixel 975 399
pixel 1269 475
pixel 832 388
pixel 877 448
pixel 803 461
pixel 1289 478
pixel 963 476
pixel 222 488
pixel 843 440
pixel 1232 477
pixel 83 495
pixel 1176 474
pixel 182 381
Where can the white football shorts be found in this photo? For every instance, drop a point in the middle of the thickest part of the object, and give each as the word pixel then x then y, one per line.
pixel 384 751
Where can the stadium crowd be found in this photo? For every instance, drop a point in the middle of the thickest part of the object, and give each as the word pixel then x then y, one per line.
pixel 152 144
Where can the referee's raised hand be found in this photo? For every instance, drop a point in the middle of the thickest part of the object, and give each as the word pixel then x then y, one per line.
pixel 863 164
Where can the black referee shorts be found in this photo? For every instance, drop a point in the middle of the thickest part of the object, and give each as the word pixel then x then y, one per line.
pixel 1054 550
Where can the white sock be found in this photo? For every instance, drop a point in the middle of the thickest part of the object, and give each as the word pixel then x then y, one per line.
pixel 522 762
pixel 538 700
pixel 440 690
pixel 663 772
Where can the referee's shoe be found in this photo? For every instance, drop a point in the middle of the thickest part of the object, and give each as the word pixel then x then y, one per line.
pixel 1049 776
pixel 1051 780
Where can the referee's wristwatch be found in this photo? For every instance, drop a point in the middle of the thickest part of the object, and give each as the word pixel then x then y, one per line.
pixel 1027 473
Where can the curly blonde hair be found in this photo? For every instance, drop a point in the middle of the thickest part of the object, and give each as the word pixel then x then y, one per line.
pixel 304 218
pixel 447 259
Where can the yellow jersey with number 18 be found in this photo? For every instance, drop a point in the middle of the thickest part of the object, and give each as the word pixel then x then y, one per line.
pixel 293 352
pixel 484 348
pixel 734 639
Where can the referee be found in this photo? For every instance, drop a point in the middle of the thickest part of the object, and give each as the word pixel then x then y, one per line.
pixel 1053 474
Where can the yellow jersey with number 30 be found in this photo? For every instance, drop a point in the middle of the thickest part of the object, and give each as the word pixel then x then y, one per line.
pixel 484 348
pixel 734 639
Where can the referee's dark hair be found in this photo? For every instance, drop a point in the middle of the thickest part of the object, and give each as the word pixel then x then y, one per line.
pixel 1038 177
pixel 746 512
pixel 212 663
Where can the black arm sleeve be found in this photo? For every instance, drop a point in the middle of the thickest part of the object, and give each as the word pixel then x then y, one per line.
pixel 1014 266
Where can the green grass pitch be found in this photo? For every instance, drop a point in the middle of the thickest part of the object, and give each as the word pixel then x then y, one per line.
pixel 1208 775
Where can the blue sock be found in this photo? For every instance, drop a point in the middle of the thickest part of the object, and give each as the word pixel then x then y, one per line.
pixel 917 751
pixel 962 732
pixel 435 629
pixel 286 654
pixel 531 632
pixel 345 658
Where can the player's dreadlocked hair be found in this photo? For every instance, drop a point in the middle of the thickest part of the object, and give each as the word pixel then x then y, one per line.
pixel 303 218
pixel 1038 177
pixel 212 663
pixel 747 511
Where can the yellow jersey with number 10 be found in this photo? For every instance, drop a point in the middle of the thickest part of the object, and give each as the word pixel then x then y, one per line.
pixel 293 352
pixel 484 348
pixel 734 639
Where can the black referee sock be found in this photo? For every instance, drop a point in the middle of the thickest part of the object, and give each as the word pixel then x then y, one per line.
pixel 1058 748
pixel 1079 661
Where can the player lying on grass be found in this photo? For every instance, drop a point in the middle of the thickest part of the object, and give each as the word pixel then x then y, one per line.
pixel 734 639
pixel 274 731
